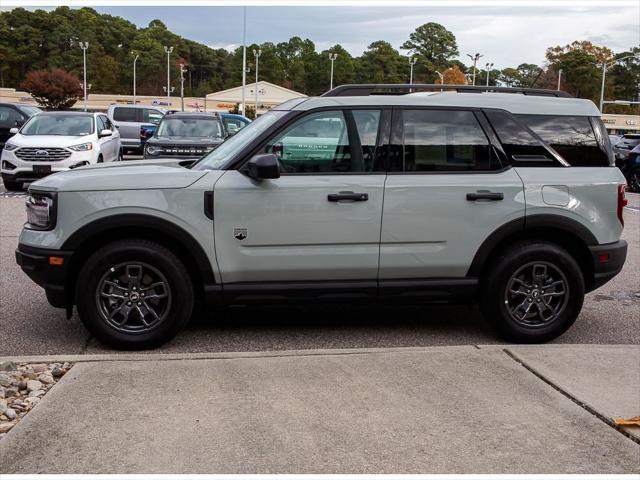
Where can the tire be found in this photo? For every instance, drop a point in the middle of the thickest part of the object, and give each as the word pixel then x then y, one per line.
pixel 120 156
pixel 634 180
pixel 505 295
pixel 100 159
pixel 12 186
pixel 106 287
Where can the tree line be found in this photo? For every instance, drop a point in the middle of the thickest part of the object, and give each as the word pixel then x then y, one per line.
pixel 40 40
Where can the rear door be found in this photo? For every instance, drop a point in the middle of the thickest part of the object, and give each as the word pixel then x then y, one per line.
pixel 127 121
pixel 318 222
pixel 446 192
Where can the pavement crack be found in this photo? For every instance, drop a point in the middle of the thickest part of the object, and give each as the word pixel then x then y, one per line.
pixel 575 400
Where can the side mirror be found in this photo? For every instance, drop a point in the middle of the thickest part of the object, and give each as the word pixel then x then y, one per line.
pixel 263 166
pixel 13 131
pixel 105 133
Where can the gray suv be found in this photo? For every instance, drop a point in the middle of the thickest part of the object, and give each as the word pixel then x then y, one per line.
pixel 507 197
pixel 128 119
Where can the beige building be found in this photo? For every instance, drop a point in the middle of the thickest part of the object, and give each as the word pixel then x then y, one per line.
pixel 269 95
pixel 621 124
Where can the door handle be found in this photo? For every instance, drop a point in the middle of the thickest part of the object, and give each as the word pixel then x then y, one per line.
pixel 485 195
pixel 354 197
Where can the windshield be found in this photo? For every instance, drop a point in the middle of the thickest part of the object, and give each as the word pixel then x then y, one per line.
pixel 189 127
pixel 219 157
pixel 67 125
pixel 30 110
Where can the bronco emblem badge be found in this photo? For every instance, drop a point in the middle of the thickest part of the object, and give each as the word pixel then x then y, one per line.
pixel 240 233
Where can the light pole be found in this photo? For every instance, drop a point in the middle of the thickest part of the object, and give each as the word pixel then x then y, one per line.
pixel 475 59
pixel 84 46
pixel 182 87
pixel 244 54
pixel 256 54
pixel 412 62
pixel 489 66
pixel 441 78
pixel 332 57
pixel 134 77
pixel 168 51
pixel 605 66
pixel 559 78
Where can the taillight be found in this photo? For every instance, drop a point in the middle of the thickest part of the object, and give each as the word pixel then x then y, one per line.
pixel 622 202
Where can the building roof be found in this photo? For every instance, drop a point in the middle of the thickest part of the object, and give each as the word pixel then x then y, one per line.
pixel 267 93
pixel 512 102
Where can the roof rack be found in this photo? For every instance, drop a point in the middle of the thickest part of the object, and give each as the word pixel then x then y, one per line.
pixel 364 90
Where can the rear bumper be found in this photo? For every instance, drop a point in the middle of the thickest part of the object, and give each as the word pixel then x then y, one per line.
pixel 608 260
pixel 35 262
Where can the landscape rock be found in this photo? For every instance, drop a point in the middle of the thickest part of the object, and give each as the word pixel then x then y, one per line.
pixel 33 385
pixel 36 393
pixel 3 392
pixel 5 380
pixel 11 392
pixel 39 367
pixel 3 406
pixel 10 413
pixel 45 378
pixel 7 365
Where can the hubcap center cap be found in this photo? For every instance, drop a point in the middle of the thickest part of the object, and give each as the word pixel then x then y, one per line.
pixel 535 293
pixel 134 297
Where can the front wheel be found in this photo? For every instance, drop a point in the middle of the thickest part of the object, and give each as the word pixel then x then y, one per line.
pixel 12 186
pixel 134 294
pixel 634 180
pixel 533 293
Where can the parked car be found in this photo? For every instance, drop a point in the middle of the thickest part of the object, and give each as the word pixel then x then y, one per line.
pixel 129 119
pixel 627 143
pixel 185 135
pixel 13 115
pixel 630 167
pixel 56 141
pixel 234 122
pixel 505 199
pixel 614 139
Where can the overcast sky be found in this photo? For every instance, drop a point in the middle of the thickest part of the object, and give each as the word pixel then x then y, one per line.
pixel 506 36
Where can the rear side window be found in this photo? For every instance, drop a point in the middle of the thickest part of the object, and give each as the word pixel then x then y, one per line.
pixel 572 137
pixel 520 145
pixel 151 116
pixel 444 140
pixel 125 114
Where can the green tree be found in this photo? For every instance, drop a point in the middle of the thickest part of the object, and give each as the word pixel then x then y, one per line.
pixel 381 63
pixel 435 47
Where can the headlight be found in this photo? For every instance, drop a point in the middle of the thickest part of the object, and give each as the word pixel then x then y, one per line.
pixel 83 147
pixel 41 211
pixel 151 150
pixel 10 147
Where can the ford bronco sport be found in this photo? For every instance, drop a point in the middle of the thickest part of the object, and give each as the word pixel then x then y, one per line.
pixel 505 197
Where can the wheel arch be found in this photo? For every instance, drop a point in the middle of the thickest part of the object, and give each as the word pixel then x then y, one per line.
pixel 563 231
pixel 86 240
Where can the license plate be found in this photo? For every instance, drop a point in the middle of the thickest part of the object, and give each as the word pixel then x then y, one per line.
pixel 42 169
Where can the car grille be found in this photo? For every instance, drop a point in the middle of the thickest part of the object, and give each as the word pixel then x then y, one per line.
pixel 190 151
pixel 45 154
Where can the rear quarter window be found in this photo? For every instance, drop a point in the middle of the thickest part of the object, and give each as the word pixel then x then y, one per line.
pixel 573 137
pixel 125 114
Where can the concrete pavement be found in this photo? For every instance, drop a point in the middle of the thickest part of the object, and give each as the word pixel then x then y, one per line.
pixel 415 410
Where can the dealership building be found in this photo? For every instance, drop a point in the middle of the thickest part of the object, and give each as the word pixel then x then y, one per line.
pixel 269 95
pixel 621 124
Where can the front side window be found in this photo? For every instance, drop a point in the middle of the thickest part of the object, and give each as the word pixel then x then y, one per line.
pixel 572 137
pixel 189 127
pixel 328 142
pixel 8 117
pixel 151 116
pixel 101 124
pixel 444 140
pixel 58 124
pixel 121 114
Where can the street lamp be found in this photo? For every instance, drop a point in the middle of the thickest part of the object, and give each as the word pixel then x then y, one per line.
pixel 412 62
pixel 256 54
pixel 441 78
pixel 489 66
pixel 475 59
pixel 168 51
pixel 559 78
pixel 332 57
pixel 244 54
pixel 84 46
pixel 134 77
pixel 605 66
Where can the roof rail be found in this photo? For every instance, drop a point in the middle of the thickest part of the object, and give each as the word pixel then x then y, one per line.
pixel 364 90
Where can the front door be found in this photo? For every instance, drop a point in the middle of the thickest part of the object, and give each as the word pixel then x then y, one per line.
pixel 320 221
pixel 447 191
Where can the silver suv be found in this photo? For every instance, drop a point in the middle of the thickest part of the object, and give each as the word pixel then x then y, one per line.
pixel 507 197
pixel 129 119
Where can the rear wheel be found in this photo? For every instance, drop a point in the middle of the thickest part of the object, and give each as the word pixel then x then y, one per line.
pixel 134 294
pixel 533 292
pixel 100 159
pixel 634 180
pixel 12 186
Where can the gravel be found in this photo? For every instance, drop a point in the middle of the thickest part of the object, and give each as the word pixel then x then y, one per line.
pixel 21 391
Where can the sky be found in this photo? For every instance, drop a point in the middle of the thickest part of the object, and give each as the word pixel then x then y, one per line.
pixel 505 35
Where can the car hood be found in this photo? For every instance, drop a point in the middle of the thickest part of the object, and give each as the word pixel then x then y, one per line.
pixel 48 140
pixel 130 175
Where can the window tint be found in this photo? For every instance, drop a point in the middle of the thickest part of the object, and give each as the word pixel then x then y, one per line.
pixel 151 116
pixel 571 136
pixel 125 114
pixel 234 124
pixel 520 145
pixel 322 142
pixel 444 140
pixel 101 125
pixel 8 117
pixel 107 123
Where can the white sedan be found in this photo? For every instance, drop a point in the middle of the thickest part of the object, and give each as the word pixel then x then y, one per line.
pixel 55 141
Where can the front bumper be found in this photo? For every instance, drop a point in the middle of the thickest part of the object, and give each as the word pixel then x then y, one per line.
pixel 608 260
pixel 16 170
pixel 37 264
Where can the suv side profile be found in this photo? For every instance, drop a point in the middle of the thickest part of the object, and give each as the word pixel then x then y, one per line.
pixel 128 119
pixel 506 197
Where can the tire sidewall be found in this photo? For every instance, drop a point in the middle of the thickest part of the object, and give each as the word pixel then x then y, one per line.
pixel 507 265
pixel 146 252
